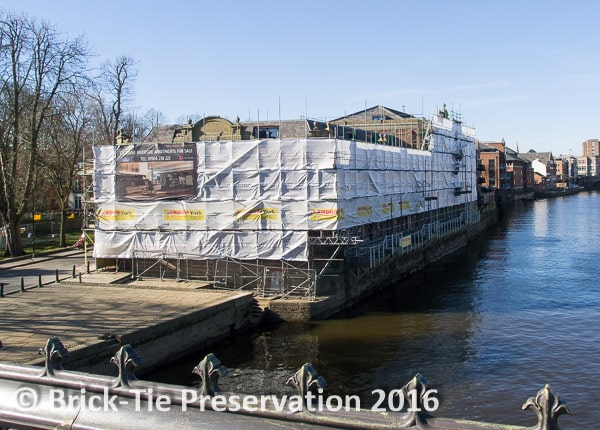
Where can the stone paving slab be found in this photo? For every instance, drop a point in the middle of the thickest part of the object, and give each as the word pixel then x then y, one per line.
pixel 100 278
pixel 124 279
pixel 82 314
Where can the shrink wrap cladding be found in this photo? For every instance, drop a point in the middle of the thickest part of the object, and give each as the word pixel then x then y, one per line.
pixel 272 245
pixel 258 198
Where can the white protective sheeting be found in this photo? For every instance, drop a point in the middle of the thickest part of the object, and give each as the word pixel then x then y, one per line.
pixel 258 198
pixel 257 215
pixel 104 173
pixel 272 245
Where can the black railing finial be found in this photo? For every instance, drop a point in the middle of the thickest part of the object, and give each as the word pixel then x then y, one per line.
pixel 304 380
pixel 126 359
pixel 209 370
pixel 54 352
pixel 548 408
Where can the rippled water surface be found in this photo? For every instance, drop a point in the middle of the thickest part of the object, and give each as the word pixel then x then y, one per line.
pixel 487 327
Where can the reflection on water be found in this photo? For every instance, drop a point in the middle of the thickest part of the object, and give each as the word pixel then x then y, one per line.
pixel 487 327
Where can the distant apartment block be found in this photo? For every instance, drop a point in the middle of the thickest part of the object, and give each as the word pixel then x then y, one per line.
pixel 492 157
pixel 591 148
pixel 566 171
pixel 543 166
pixel 583 166
pixel 588 166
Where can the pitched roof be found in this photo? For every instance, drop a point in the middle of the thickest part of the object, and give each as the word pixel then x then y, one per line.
pixel 484 147
pixel 163 133
pixel 377 110
pixel 544 157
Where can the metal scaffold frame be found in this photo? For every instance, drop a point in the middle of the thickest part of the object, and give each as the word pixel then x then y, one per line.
pixel 363 259
pixel 89 211
pixel 285 279
pixel 275 216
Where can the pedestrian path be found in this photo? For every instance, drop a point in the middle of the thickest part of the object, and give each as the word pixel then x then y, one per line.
pixel 10 263
pixel 84 314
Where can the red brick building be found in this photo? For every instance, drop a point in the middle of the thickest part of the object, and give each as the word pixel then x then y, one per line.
pixel 591 148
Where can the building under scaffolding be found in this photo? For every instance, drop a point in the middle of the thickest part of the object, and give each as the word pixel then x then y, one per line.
pixel 293 208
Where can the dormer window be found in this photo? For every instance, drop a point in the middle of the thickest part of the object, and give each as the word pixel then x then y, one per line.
pixel 265 132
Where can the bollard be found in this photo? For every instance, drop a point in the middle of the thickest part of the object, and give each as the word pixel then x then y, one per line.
pixel 88 267
pixel 57 279
pixel 80 277
pixel 1 289
pixel 22 284
pixel 40 280
pixel 73 270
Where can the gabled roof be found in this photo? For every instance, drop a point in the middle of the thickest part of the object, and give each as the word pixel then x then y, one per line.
pixel 377 110
pixel 512 156
pixel 543 157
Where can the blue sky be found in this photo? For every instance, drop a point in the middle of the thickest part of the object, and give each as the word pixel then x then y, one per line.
pixel 525 71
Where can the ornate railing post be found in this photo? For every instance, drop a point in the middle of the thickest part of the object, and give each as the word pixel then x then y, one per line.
pixel 209 370
pixel 415 391
pixel 304 380
pixel 548 408
pixel 126 360
pixel 54 352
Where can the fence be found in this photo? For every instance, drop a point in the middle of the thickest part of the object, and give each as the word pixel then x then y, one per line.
pixel 280 278
pixel 376 253
pixel 38 281
pixel 51 397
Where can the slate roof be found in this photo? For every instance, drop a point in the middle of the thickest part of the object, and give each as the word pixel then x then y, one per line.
pixel 544 157
pixel 377 110
pixel 162 133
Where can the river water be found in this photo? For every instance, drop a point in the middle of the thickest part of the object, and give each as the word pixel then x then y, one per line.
pixel 488 326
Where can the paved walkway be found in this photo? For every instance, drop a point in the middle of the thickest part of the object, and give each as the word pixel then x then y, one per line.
pixel 10 263
pixel 81 314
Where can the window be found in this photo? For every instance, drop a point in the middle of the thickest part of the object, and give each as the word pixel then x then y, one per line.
pixel 380 117
pixel 492 172
pixel 265 132
pixel 77 185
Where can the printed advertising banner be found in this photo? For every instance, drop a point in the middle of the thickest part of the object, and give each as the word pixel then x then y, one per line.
pixel 156 172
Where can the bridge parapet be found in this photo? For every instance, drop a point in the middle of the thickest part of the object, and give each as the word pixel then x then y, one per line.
pixel 51 397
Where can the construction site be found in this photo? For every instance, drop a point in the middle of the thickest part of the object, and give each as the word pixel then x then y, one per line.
pixel 300 210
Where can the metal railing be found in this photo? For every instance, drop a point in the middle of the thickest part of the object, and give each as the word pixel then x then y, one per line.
pixel 51 397
pixel 376 253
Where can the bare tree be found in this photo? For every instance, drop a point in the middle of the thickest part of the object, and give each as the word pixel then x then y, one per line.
pixel 114 96
pixel 195 117
pixel 37 64
pixel 138 127
pixel 153 118
pixel 67 134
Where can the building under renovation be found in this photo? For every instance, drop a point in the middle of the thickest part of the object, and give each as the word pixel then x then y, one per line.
pixel 292 208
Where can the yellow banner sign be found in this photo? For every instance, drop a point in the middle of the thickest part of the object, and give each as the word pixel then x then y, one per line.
pixel 406 241
pixel 267 214
pixel 387 208
pixel 326 214
pixel 183 215
pixel 363 211
pixel 117 215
